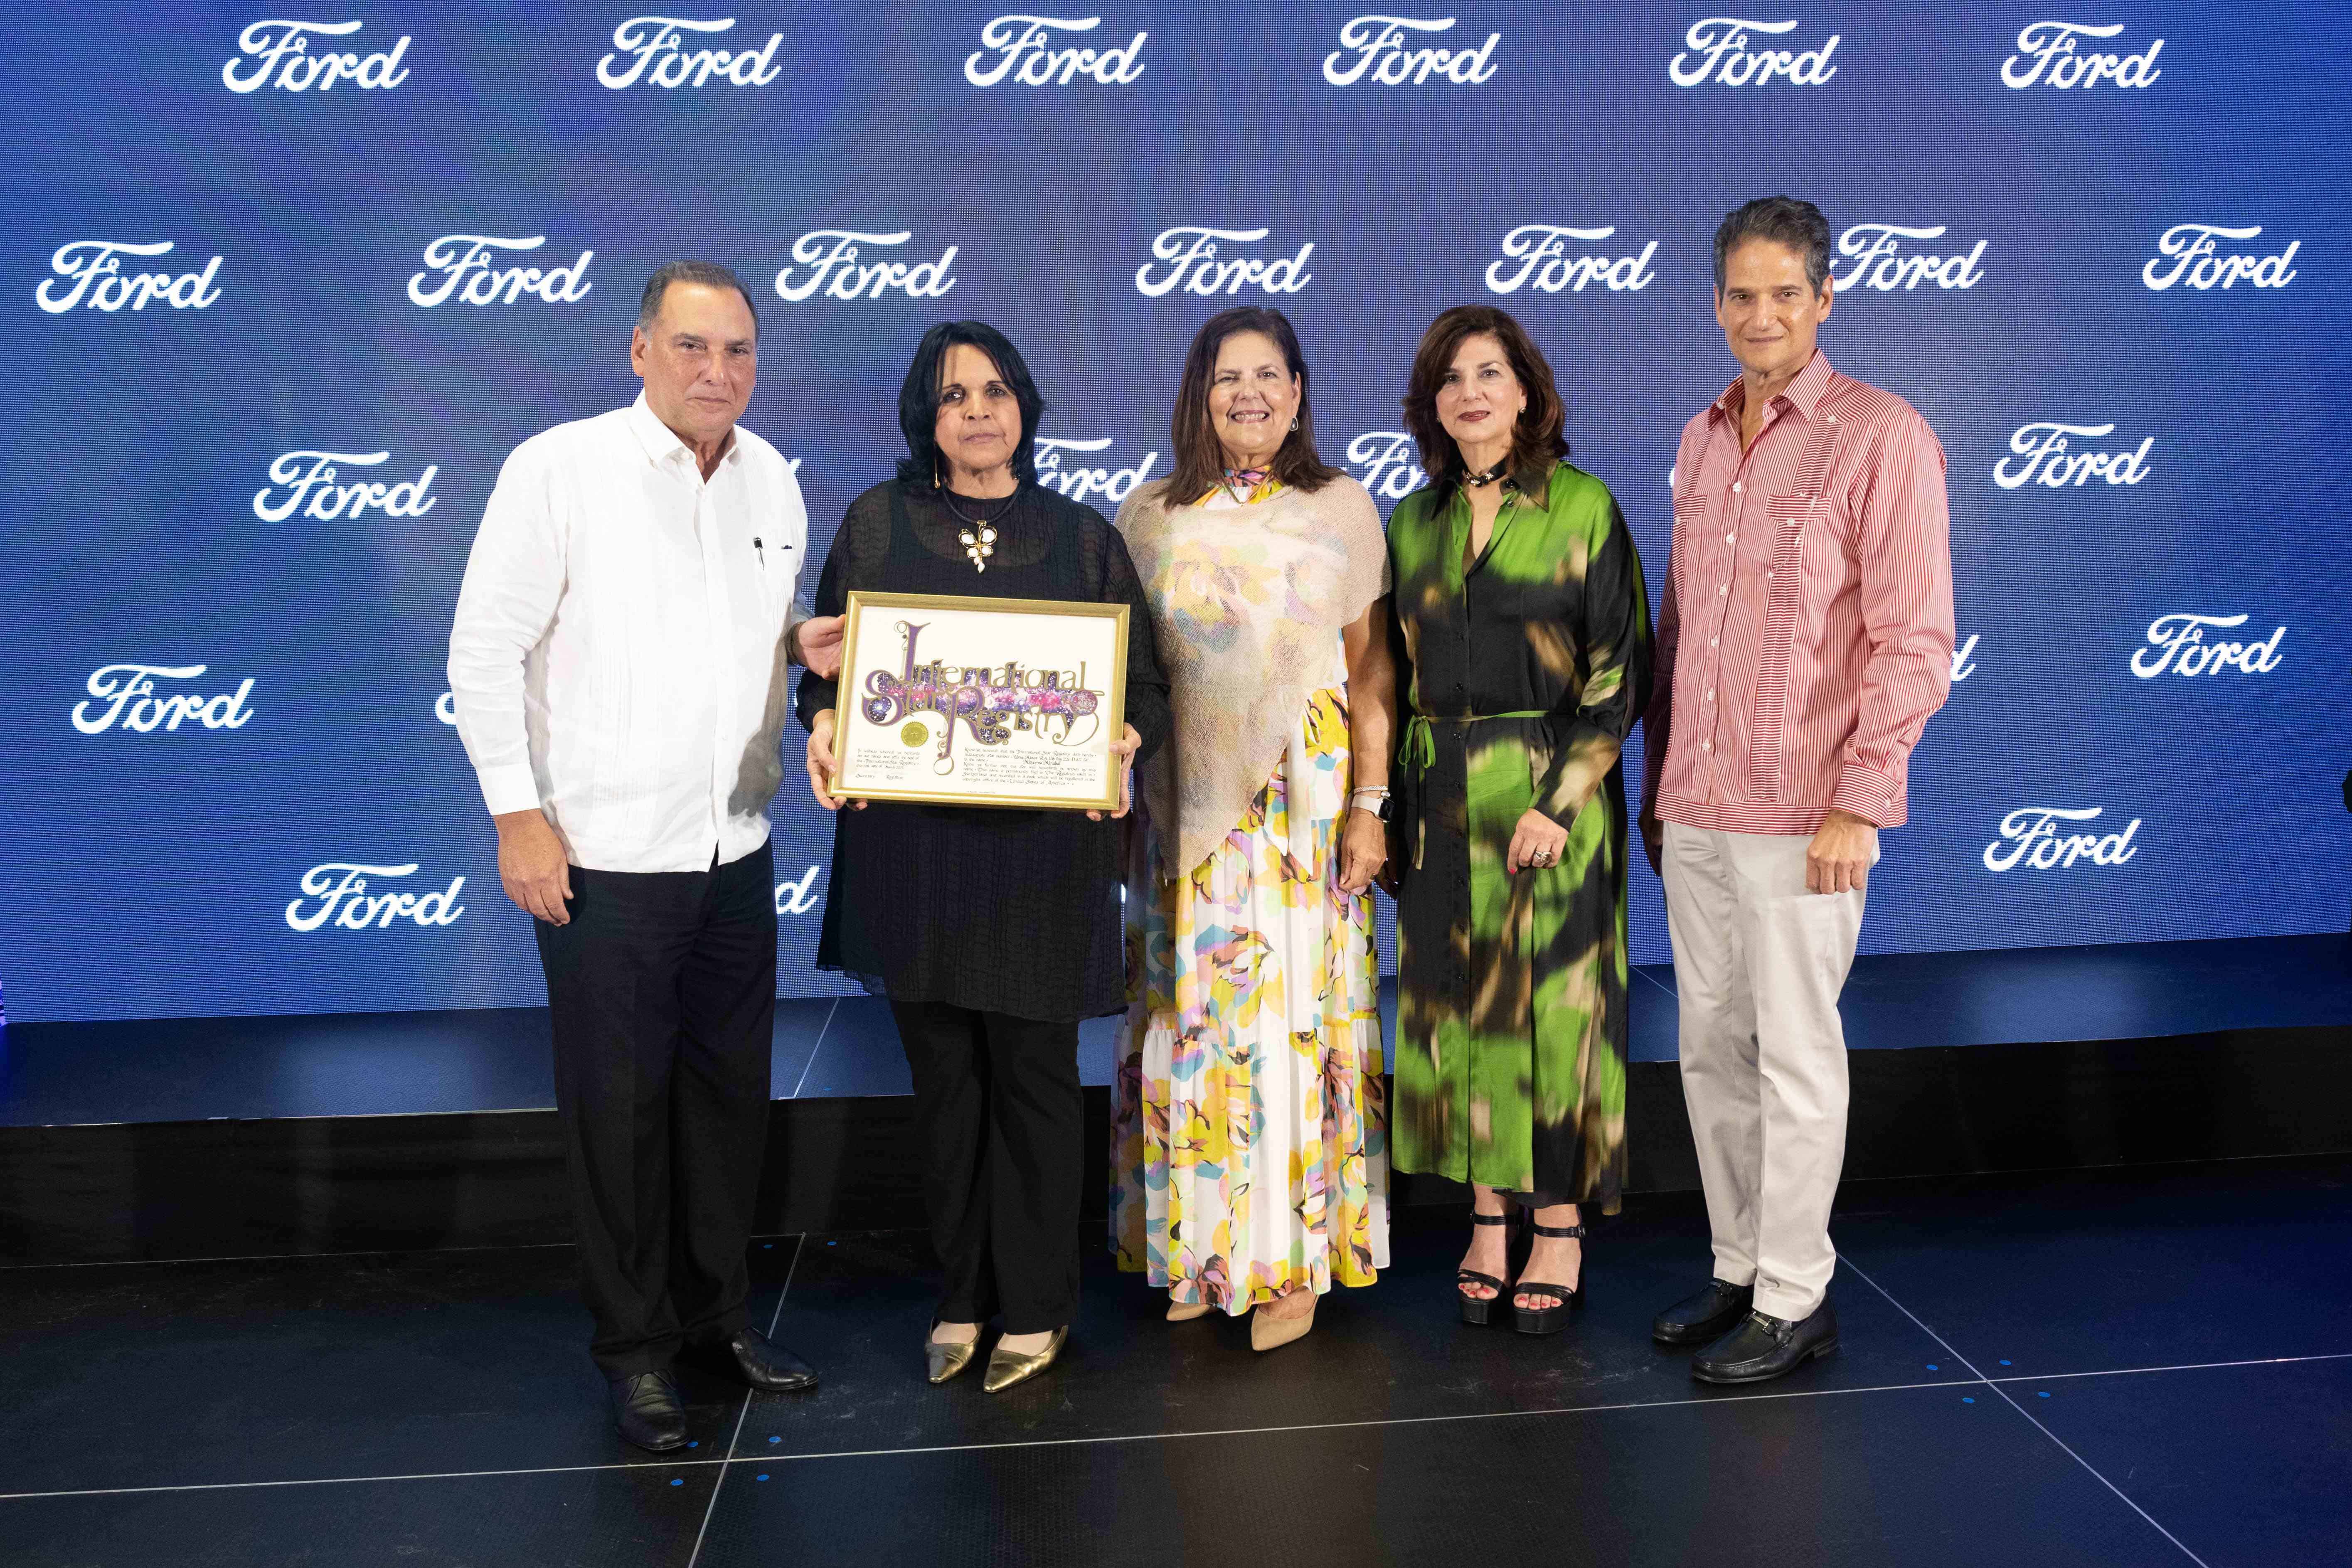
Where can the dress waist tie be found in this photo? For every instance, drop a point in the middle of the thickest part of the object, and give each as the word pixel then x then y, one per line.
pixel 1418 754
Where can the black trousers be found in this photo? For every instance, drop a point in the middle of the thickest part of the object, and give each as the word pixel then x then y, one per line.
pixel 664 994
pixel 1000 1122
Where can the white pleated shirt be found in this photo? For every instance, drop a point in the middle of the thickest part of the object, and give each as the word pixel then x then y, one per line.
pixel 619 658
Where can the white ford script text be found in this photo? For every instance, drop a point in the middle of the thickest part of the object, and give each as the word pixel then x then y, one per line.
pixel 128 693
pixel 340 888
pixel 1719 52
pixel 463 260
pixel 1385 53
pixel 1024 46
pixel 1192 265
pixel 2030 835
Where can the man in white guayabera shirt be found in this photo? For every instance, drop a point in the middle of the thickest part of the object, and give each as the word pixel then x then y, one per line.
pixel 619 670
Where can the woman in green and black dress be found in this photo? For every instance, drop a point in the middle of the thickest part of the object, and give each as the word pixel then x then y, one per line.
pixel 1526 635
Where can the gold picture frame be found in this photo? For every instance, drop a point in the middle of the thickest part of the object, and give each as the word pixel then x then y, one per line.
pixel 976 702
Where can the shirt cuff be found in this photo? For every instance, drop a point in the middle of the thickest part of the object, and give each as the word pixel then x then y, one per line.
pixel 509 788
pixel 1874 796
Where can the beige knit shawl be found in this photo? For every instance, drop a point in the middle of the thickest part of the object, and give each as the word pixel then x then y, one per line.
pixel 1247 602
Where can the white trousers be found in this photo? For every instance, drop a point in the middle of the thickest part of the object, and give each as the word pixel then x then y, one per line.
pixel 1758 964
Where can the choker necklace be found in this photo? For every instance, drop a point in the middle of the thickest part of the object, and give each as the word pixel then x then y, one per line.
pixel 978 536
pixel 1479 481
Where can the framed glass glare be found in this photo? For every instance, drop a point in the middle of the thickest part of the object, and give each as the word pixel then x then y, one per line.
pixel 1004 703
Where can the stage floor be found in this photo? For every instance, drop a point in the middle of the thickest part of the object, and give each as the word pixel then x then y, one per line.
pixel 2127 1367
pixel 389 1064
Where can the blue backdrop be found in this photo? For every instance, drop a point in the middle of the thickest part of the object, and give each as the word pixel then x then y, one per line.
pixel 285 293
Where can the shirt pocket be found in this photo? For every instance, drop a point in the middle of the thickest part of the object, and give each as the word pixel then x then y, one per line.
pixel 1689 545
pixel 773 564
pixel 1790 517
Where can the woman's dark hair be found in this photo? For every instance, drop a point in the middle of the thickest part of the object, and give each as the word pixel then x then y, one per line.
pixel 1199 459
pixel 1536 440
pixel 918 400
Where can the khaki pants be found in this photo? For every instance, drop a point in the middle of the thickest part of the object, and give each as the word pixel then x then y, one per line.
pixel 1758 964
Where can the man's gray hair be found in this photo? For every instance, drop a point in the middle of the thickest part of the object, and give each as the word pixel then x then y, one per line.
pixel 705 273
pixel 1783 220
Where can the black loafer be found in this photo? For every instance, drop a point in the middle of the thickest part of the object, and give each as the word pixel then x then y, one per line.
pixel 1705 1316
pixel 1765 1347
pixel 648 1411
pixel 760 1364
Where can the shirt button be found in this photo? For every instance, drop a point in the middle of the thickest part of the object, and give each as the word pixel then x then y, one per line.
pixel 1735 487
pixel 1723 590
pixel 1729 538
pixel 1767 576
pixel 1706 745
pixel 1712 641
pixel 1710 694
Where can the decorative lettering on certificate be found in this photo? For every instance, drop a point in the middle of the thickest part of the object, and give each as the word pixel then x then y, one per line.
pixel 1006 703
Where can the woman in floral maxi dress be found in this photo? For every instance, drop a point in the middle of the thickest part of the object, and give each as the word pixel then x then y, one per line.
pixel 1249 1156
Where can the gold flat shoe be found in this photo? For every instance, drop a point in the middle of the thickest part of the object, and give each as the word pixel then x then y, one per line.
pixel 1184 1312
pixel 1271 1333
pixel 941 1362
pixel 1006 1367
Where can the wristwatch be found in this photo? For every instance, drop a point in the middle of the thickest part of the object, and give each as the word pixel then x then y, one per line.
pixel 1381 807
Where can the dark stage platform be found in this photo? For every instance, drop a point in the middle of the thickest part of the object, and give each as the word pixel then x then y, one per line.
pixel 229 1136
pixel 407 1064
pixel 2109 1369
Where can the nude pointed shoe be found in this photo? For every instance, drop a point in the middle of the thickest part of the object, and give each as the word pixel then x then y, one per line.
pixel 1270 1334
pixel 1006 1367
pixel 1185 1312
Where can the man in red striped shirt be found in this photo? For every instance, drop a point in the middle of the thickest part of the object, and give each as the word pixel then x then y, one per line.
pixel 1805 637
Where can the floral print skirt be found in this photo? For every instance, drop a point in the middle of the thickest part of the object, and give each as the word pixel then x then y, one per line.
pixel 1249 1133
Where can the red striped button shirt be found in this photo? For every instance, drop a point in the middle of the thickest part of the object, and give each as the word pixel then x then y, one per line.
pixel 1807 629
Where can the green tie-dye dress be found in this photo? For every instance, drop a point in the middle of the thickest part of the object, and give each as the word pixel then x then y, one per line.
pixel 1524 675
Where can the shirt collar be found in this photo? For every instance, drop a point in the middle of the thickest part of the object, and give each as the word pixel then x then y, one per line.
pixel 661 443
pixel 1803 393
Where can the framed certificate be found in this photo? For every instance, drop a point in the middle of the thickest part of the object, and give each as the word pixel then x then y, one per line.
pixel 1009 703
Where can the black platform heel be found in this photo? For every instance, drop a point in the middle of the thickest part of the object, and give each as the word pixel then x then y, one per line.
pixel 1475 1311
pixel 1548 1320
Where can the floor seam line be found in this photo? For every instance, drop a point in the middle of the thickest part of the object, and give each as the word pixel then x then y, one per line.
pixel 1383 1422
pixel 744 1411
pixel 287 1256
pixel 801 1241
pixel 982 1447
pixel 361 1480
pixel 2021 1410
pixel 822 1029
pixel 2184 1366
pixel 1659 984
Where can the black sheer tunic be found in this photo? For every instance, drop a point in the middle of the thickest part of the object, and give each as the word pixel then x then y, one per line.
pixel 998 911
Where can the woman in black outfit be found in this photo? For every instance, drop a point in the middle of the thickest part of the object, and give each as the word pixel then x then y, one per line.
pixel 991 931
